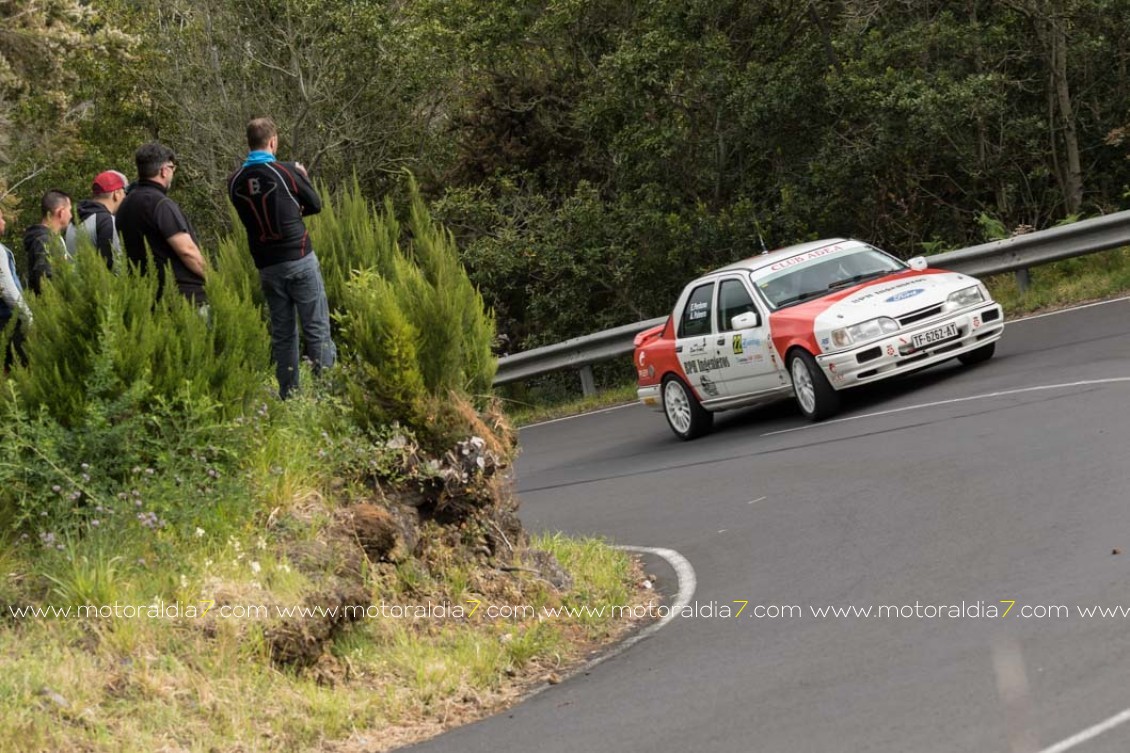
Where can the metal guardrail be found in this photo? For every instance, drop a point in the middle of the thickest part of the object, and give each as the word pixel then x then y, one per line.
pixel 1010 255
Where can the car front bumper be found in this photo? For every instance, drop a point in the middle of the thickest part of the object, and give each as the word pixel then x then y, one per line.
pixel 976 327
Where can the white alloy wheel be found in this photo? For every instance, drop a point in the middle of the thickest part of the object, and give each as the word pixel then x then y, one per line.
pixel 677 405
pixel 685 415
pixel 802 383
pixel 814 393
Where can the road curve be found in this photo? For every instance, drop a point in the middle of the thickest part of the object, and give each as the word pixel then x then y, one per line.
pixel 1005 486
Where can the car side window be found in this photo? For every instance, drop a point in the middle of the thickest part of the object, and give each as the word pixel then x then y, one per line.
pixel 733 299
pixel 696 314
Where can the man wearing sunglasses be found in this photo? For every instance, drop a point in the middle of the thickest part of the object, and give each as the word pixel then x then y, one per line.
pixel 147 214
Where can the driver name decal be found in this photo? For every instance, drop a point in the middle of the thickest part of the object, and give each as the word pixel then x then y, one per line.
pixel 702 365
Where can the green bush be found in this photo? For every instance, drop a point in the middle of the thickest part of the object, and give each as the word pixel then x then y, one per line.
pixel 123 391
pixel 382 364
pixel 412 328
pixel 105 339
pixel 348 235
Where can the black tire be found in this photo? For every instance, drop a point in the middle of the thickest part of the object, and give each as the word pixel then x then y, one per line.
pixel 685 414
pixel 980 355
pixel 814 394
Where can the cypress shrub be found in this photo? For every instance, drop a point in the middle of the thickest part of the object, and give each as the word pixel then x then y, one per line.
pixel 119 380
pixel 383 384
pixel 430 283
pixel 349 235
pixel 413 330
pixel 98 336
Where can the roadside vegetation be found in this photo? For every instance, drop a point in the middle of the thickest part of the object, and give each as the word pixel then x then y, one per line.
pixel 190 564
pixel 1070 282
pixel 592 157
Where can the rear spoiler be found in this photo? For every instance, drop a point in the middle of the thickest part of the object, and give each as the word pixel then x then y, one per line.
pixel 650 334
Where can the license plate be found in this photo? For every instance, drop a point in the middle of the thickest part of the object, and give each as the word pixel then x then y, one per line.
pixel 924 339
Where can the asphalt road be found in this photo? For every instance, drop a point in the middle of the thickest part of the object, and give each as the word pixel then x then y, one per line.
pixel 1006 482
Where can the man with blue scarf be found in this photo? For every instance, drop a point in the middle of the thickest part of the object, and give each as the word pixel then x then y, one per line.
pixel 271 198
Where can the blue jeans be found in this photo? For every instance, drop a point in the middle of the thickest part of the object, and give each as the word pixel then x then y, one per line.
pixel 295 293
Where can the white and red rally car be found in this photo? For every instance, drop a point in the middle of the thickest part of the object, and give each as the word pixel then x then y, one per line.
pixel 810 320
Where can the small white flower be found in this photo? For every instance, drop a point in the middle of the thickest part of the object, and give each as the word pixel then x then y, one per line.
pixel 199 533
pixel 255 567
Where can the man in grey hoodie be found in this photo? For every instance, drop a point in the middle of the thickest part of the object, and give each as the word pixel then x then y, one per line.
pixel 95 216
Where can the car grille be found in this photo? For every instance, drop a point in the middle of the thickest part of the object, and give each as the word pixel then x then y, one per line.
pixel 920 314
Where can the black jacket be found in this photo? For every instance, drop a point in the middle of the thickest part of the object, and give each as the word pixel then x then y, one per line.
pixel 271 200
pixel 37 240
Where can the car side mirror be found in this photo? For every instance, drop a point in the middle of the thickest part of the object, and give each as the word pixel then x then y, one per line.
pixel 748 320
pixel 918 263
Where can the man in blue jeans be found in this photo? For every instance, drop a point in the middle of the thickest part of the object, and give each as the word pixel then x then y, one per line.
pixel 271 198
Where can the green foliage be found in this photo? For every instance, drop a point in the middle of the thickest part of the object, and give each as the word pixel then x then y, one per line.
pixel 412 327
pixel 443 303
pixel 104 341
pixel 348 235
pixel 382 363
pixel 124 393
pixel 992 228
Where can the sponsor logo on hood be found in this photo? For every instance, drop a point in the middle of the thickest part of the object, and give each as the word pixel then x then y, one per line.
pixel 904 295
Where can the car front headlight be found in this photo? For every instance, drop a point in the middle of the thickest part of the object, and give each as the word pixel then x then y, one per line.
pixel 864 331
pixel 966 297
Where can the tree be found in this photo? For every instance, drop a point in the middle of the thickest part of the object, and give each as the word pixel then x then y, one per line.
pixel 345 81
pixel 44 46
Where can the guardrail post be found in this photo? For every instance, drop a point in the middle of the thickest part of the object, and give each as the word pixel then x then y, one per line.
pixel 588 383
pixel 1023 280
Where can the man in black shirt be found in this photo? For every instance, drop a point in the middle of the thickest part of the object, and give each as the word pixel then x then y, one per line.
pixel 148 215
pixel 271 198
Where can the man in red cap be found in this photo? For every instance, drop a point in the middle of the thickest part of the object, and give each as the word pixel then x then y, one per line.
pixel 95 215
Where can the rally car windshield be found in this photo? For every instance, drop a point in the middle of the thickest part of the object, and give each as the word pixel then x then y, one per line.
pixel 810 278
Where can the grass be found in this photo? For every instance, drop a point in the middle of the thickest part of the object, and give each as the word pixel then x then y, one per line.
pixel 206 682
pixel 266 531
pixel 1084 279
pixel 524 414
pixel 1064 283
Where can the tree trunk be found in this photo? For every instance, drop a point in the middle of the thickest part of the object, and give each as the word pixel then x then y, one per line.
pixel 1072 171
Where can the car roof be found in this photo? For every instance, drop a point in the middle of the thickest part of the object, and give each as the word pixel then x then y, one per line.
pixel 771 257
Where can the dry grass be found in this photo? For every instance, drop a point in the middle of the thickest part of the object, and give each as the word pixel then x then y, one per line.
pixel 208 683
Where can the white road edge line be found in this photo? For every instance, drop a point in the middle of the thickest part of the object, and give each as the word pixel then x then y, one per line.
pixel 684 572
pixel 1089 733
pixel 687 585
pixel 1002 393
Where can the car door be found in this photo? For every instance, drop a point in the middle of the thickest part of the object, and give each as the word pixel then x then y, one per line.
pixel 750 366
pixel 695 343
